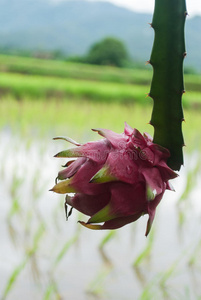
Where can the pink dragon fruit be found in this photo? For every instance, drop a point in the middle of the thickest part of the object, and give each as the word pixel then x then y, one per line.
pixel 115 180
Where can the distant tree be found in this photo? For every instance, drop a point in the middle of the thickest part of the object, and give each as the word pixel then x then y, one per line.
pixel 109 51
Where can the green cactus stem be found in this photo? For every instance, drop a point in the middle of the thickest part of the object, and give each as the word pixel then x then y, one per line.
pixel 167 85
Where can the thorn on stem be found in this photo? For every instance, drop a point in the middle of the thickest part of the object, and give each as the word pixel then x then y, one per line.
pixel 148 95
pixel 148 62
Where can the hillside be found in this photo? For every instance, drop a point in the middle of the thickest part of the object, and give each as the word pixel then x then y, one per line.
pixel 72 26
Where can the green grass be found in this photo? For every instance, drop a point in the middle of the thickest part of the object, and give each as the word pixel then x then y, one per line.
pixel 55 68
pixel 62 69
pixel 33 78
pixel 34 86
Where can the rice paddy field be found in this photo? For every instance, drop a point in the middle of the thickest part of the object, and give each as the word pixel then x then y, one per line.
pixel 43 257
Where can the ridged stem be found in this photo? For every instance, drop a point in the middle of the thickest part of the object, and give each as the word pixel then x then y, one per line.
pixel 167 85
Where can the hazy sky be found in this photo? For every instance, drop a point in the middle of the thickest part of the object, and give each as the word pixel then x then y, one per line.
pixel 193 6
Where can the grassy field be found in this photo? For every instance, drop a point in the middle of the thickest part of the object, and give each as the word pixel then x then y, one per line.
pixel 55 68
pixel 43 87
pixel 36 78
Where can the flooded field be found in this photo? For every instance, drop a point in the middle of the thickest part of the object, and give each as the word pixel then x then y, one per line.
pixel 44 257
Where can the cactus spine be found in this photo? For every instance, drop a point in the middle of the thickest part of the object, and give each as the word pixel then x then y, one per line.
pixel 167 85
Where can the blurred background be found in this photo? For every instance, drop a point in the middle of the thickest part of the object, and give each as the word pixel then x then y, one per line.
pixel 67 67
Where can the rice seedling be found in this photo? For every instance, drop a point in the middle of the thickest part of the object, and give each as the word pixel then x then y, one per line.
pixel 194 257
pixel 11 281
pixel 147 294
pixel 111 234
pixel 52 292
pixel 184 203
pixel 65 249
pixel 145 254
pixel 96 286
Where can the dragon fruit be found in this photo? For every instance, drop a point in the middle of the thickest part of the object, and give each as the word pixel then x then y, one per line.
pixel 115 180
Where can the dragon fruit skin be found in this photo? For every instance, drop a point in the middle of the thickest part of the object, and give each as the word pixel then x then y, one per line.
pixel 115 180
